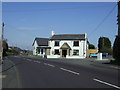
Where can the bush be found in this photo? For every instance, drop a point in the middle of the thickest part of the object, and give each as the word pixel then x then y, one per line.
pixel 104 44
pixel 116 48
pixel 12 52
pixel 91 46
pixel 107 50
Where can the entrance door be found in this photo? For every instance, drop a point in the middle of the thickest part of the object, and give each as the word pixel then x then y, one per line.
pixel 64 53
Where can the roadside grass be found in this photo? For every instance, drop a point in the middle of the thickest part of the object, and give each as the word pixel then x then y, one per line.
pixel 36 56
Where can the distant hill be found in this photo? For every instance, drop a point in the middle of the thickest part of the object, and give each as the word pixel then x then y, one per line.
pixel 18 51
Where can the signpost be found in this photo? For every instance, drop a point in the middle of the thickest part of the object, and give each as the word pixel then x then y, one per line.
pixel 1 43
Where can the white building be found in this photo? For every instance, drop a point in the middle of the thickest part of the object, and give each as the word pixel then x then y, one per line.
pixel 61 46
pixel 40 46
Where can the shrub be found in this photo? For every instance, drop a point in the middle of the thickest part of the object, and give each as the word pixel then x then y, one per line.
pixel 116 48
pixel 107 50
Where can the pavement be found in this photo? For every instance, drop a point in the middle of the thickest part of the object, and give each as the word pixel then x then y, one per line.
pixel 10 75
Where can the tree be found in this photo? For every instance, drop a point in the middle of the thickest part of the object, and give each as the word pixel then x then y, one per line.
pixel 5 47
pixel 116 45
pixel 91 46
pixel 116 48
pixel 104 45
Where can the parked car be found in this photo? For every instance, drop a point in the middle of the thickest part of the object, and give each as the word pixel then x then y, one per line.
pixel 104 54
pixel 93 55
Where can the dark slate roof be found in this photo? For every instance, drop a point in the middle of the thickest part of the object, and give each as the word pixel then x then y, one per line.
pixel 41 41
pixel 68 37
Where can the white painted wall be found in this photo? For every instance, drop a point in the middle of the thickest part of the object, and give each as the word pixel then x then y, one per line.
pixel 34 48
pixel 82 47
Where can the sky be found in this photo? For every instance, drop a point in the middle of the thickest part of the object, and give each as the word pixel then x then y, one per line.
pixel 24 21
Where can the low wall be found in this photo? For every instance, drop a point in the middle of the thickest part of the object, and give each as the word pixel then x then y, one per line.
pixel 75 57
pixel 89 51
pixel 69 57
pixel 53 56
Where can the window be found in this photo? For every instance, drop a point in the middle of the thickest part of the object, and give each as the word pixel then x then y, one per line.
pixel 75 52
pixel 56 43
pixel 38 50
pixel 57 52
pixel 76 43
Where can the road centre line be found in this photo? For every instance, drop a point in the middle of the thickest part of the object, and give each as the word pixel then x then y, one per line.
pixel 34 61
pixel 51 65
pixel 70 71
pixel 45 63
pixel 29 59
pixel 107 83
pixel 37 61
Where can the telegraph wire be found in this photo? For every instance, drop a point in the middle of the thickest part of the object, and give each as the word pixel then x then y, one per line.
pixel 102 21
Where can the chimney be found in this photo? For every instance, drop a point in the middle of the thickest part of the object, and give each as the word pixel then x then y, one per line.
pixel 85 35
pixel 52 33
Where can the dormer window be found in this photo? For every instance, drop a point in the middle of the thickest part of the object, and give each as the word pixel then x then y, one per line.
pixel 56 43
pixel 76 43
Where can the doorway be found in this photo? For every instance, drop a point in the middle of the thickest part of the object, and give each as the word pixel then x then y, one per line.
pixel 64 53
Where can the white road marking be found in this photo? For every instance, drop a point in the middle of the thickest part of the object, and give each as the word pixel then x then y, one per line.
pixel 107 83
pixel 69 71
pixel 29 59
pixel 51 65
pixel 45 63
pixel 39 62
pixel 34 61
pixel 3 76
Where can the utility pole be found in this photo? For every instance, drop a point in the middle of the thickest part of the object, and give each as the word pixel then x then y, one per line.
pixel 2 41
pixel 116 46
pixel 119 18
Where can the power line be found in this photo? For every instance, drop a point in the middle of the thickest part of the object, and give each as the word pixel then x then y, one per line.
pixel 102 21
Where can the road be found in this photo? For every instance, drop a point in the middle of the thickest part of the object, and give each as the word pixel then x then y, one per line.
pixel 43 73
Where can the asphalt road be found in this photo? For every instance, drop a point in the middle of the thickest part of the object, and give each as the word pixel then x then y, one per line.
pixel 43 73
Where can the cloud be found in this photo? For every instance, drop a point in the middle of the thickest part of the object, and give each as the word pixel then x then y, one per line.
pixel 27 28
